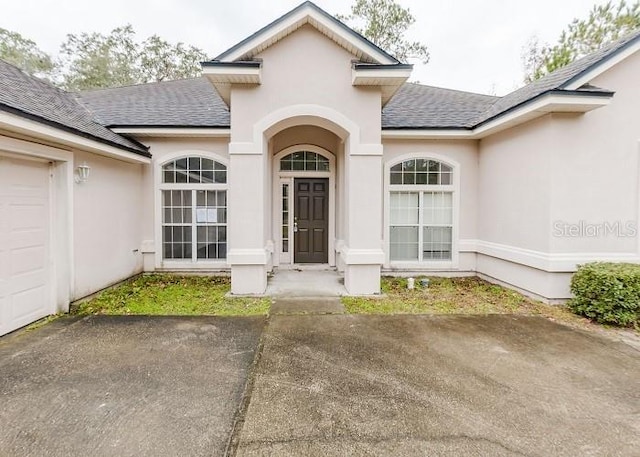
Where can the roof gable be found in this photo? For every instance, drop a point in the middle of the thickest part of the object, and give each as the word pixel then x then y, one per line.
pixel 307 13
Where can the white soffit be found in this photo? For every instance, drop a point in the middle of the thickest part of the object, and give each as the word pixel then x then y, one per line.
pixel 232 74
pixel 388 79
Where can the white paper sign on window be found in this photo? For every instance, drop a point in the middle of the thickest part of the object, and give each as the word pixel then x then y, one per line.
pixel 201 215
pixel 207 215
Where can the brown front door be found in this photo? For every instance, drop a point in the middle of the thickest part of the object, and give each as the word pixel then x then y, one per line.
pixel 311 220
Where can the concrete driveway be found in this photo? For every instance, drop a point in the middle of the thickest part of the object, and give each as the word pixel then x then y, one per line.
pixel 318 385
pixel 125 386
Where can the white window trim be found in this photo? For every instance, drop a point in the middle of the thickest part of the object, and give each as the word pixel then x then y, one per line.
pixel 280 177
pixel 454 188
pixel 185 264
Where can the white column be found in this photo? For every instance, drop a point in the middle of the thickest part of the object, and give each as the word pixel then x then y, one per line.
pixel 247 255
pixel 363 255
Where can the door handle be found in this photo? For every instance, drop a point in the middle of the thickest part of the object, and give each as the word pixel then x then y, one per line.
pixel 295 226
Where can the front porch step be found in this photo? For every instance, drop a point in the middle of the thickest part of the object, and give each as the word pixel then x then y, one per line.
pixel 306 305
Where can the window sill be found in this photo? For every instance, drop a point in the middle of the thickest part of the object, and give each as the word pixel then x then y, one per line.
pixel 191 265
pixel 429 265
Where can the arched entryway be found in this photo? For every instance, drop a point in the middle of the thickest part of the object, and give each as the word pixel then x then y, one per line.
pixel 256 194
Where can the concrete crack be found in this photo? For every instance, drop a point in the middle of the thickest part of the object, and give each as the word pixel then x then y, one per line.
pixel 238 421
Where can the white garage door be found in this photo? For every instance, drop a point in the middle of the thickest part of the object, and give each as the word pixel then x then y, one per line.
pixel 25 293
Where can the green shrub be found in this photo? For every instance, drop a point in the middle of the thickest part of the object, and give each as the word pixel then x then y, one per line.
pixel 608 293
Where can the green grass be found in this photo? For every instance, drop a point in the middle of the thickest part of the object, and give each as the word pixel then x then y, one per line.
pixel 173 295
pixel 454 296
pixel 42 322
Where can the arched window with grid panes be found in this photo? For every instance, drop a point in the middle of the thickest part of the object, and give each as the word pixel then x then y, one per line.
pixel 194 209
pixel 421 211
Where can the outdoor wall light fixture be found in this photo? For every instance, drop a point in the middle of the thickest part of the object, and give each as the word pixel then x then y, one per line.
pixel 82 173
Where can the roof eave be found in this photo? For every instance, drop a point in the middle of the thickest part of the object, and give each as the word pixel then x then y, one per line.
pixel 24 123
pixel 555 101
pixel 427 133
pixel 173 131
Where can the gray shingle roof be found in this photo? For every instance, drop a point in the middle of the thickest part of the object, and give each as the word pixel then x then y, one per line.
pixel 30 97
pixel 195 103
pixel 417 106
pixel 557 80
pixel 181 103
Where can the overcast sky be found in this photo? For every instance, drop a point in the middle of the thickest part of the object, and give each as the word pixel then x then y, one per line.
pixel 475 45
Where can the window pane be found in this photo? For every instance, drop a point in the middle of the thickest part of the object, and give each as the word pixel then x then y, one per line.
pixel 421 178
pixel 285 218
pixel 201 198
pixel 404 243
pixel 194 176
pixel 194 163
pixel 438 208
pixel 437 243
pixel 220 177
pixel 422 165
pixel 408 178
pixel 404 207
pixel 409 166
pixel 181 176
pixel 169 176
pixel 207 164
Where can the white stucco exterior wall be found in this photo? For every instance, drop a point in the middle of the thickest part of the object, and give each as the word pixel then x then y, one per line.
pixel 596 170
pixel 546 187
pixel 107 224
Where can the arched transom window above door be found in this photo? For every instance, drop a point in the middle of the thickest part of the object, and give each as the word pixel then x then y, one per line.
pixel 304 161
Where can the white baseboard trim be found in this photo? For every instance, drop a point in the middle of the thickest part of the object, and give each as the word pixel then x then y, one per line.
pixel 560 262
pixel 525 292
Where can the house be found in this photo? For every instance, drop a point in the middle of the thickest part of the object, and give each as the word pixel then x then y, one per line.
pixel 304 144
